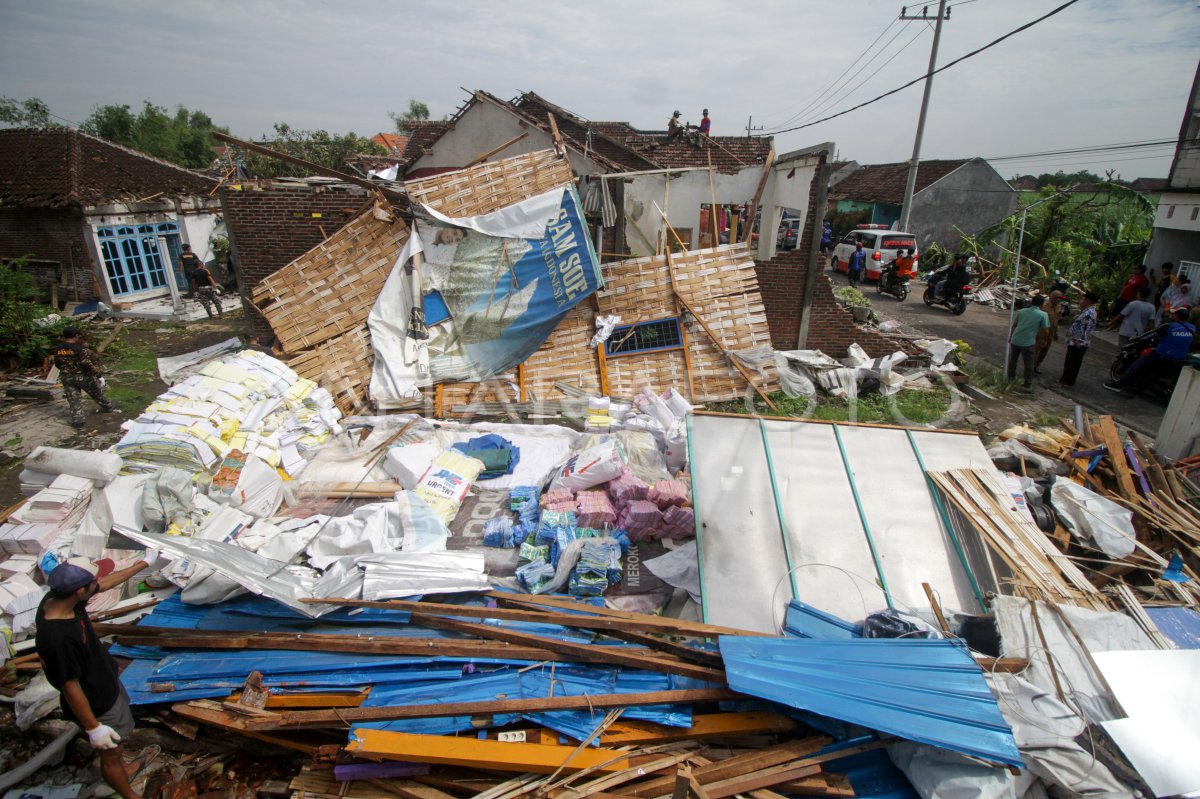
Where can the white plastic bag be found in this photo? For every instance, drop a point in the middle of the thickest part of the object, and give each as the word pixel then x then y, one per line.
pixel 589 468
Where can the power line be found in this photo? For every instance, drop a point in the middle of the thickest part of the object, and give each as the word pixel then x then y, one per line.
pixel 853 63
pixel 844 95
pixel 916 80
pixel 1086 150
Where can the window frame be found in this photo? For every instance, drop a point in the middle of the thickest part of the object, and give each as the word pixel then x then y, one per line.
pixel 619 333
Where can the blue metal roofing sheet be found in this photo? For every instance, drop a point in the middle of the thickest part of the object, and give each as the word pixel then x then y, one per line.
pixel 804 621
pixel 1181 625
pixel 930 691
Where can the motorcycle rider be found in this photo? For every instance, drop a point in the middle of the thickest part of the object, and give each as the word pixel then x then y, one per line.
pixel 1174 342
pixel 898 269
pixel 957 277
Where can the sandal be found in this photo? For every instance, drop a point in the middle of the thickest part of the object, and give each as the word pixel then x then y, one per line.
pixel 143 760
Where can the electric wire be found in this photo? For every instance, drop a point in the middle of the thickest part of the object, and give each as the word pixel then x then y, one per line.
pixel 917 80
pixel 837 80
pixel 833 100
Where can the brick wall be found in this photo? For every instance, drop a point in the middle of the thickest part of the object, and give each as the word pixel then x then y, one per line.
pixel 55 236
pixel 271 225
pixel 831 329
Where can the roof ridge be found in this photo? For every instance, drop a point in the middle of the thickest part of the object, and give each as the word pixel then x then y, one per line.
pixel 140 154
pixel 585 122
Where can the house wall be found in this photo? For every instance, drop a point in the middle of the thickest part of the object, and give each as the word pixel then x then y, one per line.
pixel 1176 238
pixel 831 328
pixel 969 199
pixel 680 196
pixel 56 239
pixel 271 225
pixel 484 126
pixel 791 184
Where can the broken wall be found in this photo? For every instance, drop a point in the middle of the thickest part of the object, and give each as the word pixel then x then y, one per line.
pixel 54 239
pixel 680 195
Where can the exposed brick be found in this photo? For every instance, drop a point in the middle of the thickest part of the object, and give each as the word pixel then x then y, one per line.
pixel 55 236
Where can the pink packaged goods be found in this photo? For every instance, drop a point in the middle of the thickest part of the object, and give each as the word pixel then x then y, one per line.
pixel 595 510
pixel 558 496
pixel 665 493
pixel 678 523
pixel 641 518
pixel 627 488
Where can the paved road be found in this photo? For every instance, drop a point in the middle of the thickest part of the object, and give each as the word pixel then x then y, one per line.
pixel 986 330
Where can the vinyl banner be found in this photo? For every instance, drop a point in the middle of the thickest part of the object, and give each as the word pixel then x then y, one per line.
pixel 472 298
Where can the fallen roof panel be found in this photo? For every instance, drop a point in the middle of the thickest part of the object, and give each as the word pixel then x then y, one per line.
pixel 929 691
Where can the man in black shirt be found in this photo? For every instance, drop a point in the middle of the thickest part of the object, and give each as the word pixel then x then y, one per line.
pixel 79 666
pixel 190 262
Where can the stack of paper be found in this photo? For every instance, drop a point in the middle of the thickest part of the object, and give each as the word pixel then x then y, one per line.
pixel 66 496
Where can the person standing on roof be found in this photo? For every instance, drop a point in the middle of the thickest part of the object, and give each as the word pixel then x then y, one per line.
pixel 857 263
pixel 705 124
pixel 190 262
pixel 80 667
pixel 79 371
pixel 674 127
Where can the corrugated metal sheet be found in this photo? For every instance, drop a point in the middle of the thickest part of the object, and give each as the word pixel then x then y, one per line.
pixel 926 691
pixel 804 621
pixel 1181 625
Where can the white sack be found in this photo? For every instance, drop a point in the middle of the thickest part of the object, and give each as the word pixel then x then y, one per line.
pixel 101 467
pixel 1090 516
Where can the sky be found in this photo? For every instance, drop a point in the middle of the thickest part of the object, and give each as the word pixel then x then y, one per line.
pixel 1100 72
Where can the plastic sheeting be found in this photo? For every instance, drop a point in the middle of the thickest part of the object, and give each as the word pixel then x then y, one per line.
pixel 678 568
pixel 180 367
pixel 1090 516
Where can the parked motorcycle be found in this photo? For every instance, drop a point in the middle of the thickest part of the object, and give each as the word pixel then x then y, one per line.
pixel 1156 380
pixel 890 283
pixel 955 301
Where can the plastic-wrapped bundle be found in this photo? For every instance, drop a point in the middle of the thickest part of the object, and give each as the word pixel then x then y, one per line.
pixel 587 584
pixel 599 566
pixel 531 552
pixel 520 497
pixel 640 519
pixel 595 510
pixel 665 493
pixel 563 536
pixel 447 482
pixel 561 507
pixel 499 533
pixel 534 575
pixel 622 539
pixel 627 488
pixel 678 523
pixel 558 496
pixel 558 519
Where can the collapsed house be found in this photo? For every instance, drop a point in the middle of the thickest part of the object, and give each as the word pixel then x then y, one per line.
pixel 99 221
pixel 647 599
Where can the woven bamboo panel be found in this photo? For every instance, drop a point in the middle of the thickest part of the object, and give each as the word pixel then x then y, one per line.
pixel 490 186
pixel 342 365
pixel 332 287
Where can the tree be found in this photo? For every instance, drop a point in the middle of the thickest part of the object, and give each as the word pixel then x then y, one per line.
pixel 31 113
pixel 417 112
pixel 184 138
pixel 317 146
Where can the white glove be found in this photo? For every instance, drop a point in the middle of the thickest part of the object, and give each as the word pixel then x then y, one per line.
pixel 101 381
pixel 103 737
pixel 154 559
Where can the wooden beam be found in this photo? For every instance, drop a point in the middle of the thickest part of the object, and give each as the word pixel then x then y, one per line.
pixel 584 653
pixel 758 193
pixel 1116 455
pixel 479 159
pixel 317 719
pixel 682 626
pixel 736 766
pixel 709 725
pixel 391 194
pixel 602 365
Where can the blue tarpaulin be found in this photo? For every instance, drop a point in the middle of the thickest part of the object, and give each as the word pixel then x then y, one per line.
pixel 929 691
pixel 1181 625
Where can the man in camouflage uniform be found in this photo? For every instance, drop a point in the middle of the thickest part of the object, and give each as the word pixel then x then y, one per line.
pixel 206 289
pixel 79 371
pixel 190 261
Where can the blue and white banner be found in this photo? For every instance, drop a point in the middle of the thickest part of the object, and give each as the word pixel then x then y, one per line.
pixel 471 298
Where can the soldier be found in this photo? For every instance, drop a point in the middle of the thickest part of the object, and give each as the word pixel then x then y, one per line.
pixel 79 370
pixel 207 290
pixel 190 262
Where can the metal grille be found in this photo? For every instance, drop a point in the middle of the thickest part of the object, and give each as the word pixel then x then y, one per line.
pixel 649 336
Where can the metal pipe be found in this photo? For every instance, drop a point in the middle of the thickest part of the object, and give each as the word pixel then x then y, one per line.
pixel 862 518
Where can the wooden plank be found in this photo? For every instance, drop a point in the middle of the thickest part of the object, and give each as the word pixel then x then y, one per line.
pixel 492 755
pixel 682 626
pixel 1154 470
pixel 645 623
pixel 585 653
pixel 736 766
pixel 316 719
pixel 479 159
pixel 704 726
pixel 760 779
pixel 1116 456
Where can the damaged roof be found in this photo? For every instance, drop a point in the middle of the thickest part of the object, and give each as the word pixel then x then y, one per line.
pixel 64 167
pixel 884 183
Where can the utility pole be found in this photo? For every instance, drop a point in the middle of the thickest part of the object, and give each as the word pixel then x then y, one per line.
pixel 750 128
pixel 911 185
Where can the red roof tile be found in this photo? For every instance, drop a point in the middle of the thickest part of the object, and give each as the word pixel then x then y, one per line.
pixel 63 167
pixel 884 183
pixel 421 136
pixel 392 142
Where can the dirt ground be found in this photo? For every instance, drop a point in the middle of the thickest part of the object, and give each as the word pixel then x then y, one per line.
pixel 131 374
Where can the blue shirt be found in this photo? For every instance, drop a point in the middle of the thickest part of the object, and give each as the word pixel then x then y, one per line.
pixel 858 259
pixel 1176 341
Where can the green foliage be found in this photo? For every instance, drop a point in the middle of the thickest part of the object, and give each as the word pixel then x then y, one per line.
pixel 853 298
pixel 184 138
pixel 31 113
pixel 318 146
pixel 1060 179
pixel 23 342
pixel 909 406
pixel 417 111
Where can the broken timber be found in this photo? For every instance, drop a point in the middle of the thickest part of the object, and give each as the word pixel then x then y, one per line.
pixel 212 713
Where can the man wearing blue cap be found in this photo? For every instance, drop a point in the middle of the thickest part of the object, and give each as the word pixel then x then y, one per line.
pixel 79 666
